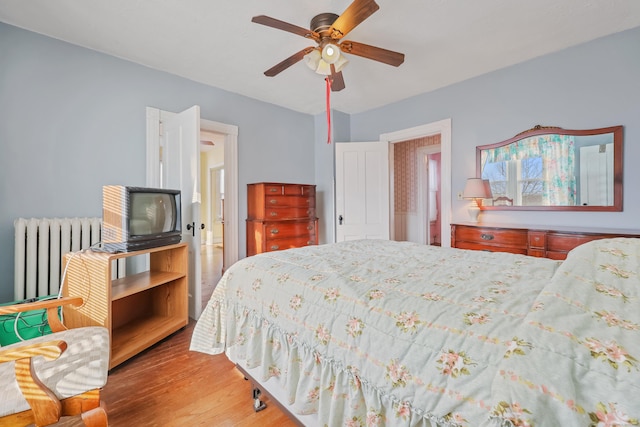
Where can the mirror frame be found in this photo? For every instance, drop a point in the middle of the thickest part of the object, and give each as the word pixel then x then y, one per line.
pixel 542 130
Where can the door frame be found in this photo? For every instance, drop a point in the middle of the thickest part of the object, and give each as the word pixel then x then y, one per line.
pixel 442 127
pixel 230 134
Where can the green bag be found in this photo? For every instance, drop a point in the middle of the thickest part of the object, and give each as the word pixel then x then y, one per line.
pixel 29 324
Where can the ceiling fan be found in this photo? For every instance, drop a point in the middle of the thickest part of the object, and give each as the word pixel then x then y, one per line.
pixel 327 30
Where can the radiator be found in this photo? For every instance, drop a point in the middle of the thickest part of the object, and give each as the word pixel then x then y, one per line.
pixel 40 246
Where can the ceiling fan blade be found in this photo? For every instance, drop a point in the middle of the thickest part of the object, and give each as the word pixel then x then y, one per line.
pixel 280 67
pixel 357 12
pixel 337 80
pixel 285 26
pixel 371 52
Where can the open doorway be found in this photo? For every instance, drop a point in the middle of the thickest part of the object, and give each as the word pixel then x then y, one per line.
pixel 350 222
pixel 416 189
pixel 160 150
pixel 437 130
pixel 212 210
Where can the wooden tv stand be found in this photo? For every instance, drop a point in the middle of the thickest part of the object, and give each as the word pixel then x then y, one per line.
pixel 139 310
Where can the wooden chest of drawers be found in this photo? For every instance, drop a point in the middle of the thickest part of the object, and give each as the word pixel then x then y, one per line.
pixel 280 216
pixel 554 244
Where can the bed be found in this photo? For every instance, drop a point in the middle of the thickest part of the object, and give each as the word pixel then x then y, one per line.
pixel 373 332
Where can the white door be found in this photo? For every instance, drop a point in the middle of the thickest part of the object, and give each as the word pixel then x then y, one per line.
pixel 362 190
pixel 180 134
pixel 596 175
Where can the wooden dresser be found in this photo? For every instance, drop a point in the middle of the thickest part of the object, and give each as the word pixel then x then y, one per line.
pixel 280 216
pixel 536 241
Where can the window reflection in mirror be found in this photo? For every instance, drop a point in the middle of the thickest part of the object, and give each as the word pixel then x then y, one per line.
pixel 555 169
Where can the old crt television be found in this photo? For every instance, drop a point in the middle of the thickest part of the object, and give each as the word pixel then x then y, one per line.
pixel 135 218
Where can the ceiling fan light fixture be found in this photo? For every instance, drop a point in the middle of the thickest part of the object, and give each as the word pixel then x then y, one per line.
pixel 315 61
pixel 328 30
pixel 330 53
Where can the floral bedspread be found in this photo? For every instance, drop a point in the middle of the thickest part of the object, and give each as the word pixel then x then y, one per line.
pixel 372 333
pixel 580 345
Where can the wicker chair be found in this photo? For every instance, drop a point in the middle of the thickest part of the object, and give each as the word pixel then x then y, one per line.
pixel 55 375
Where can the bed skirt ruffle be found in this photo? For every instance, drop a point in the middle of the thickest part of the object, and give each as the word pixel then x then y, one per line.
pixel 312 384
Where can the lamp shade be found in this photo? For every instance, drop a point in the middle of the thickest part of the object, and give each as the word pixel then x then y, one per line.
pixel 477 188
pixel 330 53
pixel 323 68
pixel 312 59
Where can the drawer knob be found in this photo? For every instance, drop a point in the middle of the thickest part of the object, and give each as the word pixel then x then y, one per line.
pixel 273 201
pixel 272 213
pixel 274 231
pixel 486 236
pixel 275 247
pixel 273 190
pixel 310 227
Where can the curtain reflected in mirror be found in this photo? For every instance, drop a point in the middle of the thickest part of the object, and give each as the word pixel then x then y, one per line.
pixel 549 168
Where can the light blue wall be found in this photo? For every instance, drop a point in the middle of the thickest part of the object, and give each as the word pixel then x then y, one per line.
pixel 325 168
pixel 62 107
pixel 596 84
pixel 73 120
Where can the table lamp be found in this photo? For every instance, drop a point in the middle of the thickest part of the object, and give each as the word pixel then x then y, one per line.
pixel 476 189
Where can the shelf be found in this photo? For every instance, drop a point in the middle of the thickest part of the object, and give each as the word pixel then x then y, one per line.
pixel 130 285
pixel 140 309
pixel 132 338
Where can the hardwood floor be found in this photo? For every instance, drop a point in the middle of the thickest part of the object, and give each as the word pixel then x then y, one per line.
pixel 168 385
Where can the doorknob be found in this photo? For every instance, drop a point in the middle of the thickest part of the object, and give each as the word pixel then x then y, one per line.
pixel 340 219
pixel 192 227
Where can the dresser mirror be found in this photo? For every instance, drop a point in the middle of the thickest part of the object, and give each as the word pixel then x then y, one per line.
pixel 550 168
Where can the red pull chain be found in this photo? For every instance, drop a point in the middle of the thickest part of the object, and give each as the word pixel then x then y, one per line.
pixel 328 110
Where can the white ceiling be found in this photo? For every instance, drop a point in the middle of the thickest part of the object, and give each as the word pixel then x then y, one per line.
pixel 214 41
